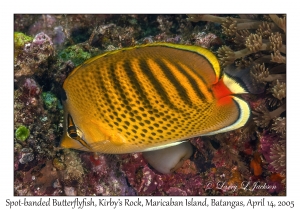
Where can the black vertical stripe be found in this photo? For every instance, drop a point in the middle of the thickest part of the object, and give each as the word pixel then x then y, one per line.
pixel 182 92
pixel 199 75
pixel 207 59
pixel 102 86
pixel 72 132
pixel 193 82
pixel 157 85
pixel 117 84
pixel 136 83
pixel 71 128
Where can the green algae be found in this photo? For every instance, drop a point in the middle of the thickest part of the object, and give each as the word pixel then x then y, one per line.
pixel 50 100
pixel 22 133
pixel 76 54
pixel 20 40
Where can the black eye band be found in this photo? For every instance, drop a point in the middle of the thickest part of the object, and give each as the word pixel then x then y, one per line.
pixel 72 132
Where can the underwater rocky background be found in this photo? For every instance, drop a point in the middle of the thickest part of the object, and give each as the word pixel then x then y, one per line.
pixel 48 47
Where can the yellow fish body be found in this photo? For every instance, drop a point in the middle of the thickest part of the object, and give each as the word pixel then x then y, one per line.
pixel 149 97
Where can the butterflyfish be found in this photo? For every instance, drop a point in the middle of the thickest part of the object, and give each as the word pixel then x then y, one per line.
pixel 149 97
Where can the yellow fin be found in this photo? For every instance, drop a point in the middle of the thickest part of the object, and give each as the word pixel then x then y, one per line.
pixel 67 142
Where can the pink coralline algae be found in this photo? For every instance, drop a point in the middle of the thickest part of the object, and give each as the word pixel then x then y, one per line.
pixel 28 102
pixel 41 43
pixel 34 58
pixel 32 87
pixel 206 40
pixel 49 25
pixel 41 39
pixel 267 143
pixel 147 181
pixel 104 177
pixel 218 160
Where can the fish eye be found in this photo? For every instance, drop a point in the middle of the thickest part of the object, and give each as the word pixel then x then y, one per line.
pixel 79 133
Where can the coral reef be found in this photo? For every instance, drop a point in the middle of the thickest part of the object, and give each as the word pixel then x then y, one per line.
pixel 147 181
pixel 48 47
pixel 75 54
pixel 50 101
pixel 34 56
